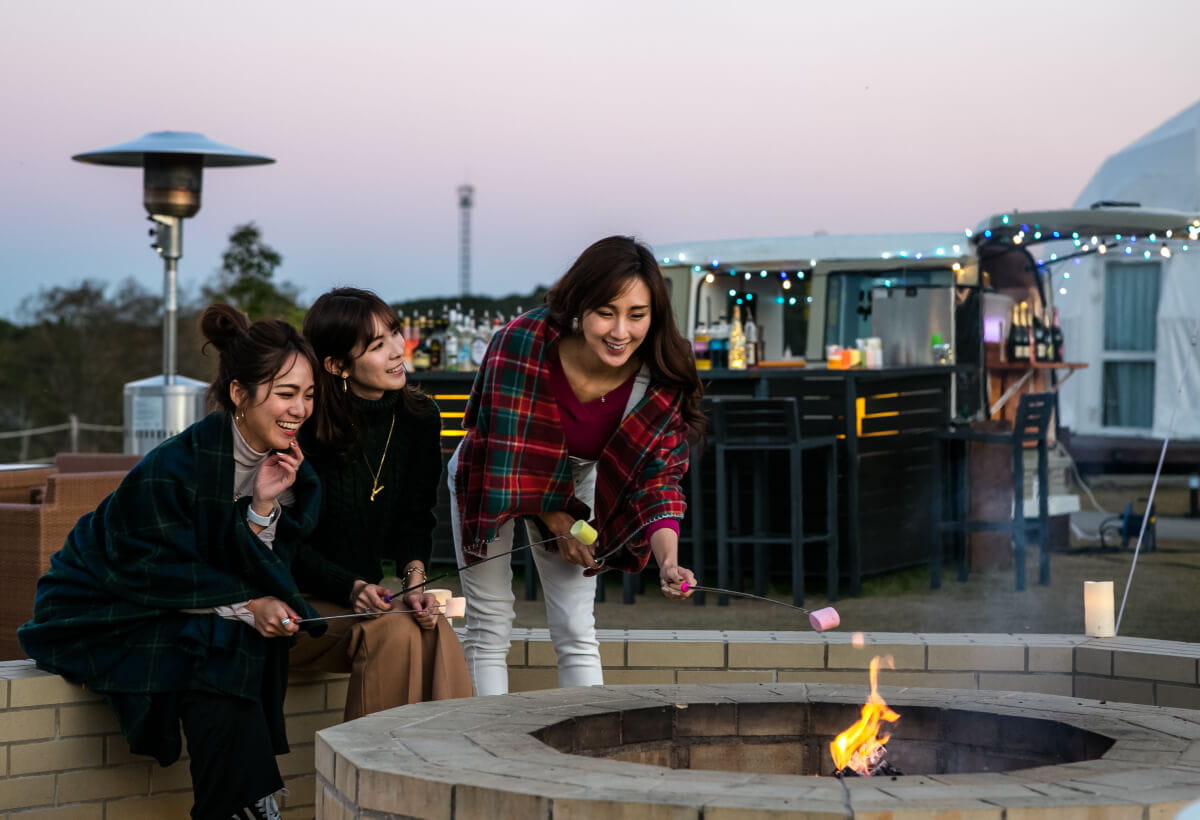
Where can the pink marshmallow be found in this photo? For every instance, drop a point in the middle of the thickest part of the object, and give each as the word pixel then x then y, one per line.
pixel 823 619
pixel 456 608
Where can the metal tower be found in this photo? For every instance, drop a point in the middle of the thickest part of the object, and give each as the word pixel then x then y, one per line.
pixel 466 198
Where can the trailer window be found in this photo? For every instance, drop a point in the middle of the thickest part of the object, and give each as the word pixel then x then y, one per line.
pixel 1131 294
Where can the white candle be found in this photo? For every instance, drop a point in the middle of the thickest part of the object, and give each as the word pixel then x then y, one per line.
pixel 1098 609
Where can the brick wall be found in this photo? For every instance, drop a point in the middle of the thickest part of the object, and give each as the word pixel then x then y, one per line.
pixel 63 758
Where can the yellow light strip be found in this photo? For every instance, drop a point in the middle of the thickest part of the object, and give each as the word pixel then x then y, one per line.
pixel 451 396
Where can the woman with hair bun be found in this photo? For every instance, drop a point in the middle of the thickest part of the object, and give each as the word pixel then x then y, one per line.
pixel 174 599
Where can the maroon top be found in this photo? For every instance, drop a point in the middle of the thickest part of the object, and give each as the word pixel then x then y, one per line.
pixel 587 426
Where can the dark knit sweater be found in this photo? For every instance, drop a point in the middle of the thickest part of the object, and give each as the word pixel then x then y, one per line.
pixel 354 534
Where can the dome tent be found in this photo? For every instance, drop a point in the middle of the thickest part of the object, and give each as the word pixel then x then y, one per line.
pixel 1161 170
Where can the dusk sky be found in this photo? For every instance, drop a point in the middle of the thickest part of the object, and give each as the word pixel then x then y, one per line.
pixel 669 120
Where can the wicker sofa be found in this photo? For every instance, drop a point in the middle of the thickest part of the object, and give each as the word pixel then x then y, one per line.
pixel 38 507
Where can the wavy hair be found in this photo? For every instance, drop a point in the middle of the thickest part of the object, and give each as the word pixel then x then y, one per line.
pixel 596 278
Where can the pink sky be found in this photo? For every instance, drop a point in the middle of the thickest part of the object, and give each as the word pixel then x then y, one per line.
pixel 670 120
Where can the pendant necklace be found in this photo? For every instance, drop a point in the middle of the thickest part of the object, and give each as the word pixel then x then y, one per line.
pixel 376 487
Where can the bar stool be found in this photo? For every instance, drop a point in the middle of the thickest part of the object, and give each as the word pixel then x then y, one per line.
pixel 1034 412
pixel 755 427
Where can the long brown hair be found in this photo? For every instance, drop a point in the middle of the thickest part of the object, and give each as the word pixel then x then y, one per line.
pixel 339 326
pixel 597 277
pixel 251 354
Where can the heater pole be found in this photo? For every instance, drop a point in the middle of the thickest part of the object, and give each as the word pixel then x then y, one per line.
pixel 169 244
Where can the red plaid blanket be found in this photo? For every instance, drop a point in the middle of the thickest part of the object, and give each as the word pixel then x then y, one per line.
pixel 513 460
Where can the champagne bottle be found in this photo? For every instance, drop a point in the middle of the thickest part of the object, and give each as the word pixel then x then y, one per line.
pixel 1024 343
pixel 1041 335
pixel 1011 343
pixel 1056 339
pixel 737 341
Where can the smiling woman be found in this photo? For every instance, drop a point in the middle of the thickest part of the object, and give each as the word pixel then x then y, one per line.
pixel 170 599
pixel 582 410
pixel 376 447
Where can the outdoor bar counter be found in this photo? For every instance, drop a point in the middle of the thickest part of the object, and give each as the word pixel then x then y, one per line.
pixel 882 419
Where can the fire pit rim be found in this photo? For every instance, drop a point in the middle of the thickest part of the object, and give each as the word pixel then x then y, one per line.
pixel 456 743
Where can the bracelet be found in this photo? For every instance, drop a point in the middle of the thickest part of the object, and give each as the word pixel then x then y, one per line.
pixel 410 571
pixel 261 520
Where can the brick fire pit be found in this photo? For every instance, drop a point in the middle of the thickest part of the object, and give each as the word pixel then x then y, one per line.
pixel 721 752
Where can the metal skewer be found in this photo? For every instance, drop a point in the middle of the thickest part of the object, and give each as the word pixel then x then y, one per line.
pixel 286 621
pixel 459 569
pixel 583 528
pixel 820 619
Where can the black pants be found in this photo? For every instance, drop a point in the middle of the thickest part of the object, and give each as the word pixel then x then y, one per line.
pixel 232 759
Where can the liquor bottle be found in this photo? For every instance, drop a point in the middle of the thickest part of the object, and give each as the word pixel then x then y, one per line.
pixel 753 354
pixel 450 343
pixel 407 332
pixel 437 343
pixel 480 336
pixel 1056 339
pixel 737 341
pixel 421 355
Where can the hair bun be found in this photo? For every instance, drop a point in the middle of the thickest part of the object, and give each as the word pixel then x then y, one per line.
pixel 221 324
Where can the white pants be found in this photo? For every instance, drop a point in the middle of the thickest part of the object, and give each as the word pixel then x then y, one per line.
pixel 569 598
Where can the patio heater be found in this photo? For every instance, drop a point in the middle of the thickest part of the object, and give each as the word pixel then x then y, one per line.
pixel 173 163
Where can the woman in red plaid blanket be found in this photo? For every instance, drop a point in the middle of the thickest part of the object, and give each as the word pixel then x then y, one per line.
pixel 582 410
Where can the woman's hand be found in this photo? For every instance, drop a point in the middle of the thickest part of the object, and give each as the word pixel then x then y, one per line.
pixel 277 473
pixel 426 607
pixel 272 617
pixel 570 548
pixel 673 577
pixel 370 597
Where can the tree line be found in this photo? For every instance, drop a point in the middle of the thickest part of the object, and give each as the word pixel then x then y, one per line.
pixel 76 347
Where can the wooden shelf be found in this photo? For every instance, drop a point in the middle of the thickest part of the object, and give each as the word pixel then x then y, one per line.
pixel 1018 366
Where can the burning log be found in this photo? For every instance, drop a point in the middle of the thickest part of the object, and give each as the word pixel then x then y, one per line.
pixel 884 769
pixel 860 748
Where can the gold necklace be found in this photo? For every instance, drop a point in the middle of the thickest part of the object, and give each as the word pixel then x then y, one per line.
pixel 376 487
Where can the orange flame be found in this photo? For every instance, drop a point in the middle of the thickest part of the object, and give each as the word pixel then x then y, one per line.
pixel 860 747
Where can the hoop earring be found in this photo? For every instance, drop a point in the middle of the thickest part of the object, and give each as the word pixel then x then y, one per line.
pixel 345 385
pixel 239 417
pixel 575 325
